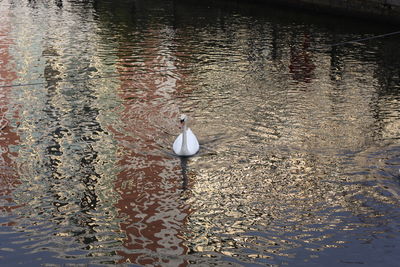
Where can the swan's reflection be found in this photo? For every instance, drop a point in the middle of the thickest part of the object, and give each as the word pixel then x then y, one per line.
pixel 184 168
pixel 205 150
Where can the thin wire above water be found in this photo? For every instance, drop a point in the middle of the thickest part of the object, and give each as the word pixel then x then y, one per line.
pixel 122 75
pixel 359 40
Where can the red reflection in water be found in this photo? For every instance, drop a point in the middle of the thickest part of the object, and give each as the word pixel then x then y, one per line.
pixel 8 135
pixel 301 65
pixel 150 182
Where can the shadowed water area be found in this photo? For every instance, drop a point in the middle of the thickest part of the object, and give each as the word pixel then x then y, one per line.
pixel 300 153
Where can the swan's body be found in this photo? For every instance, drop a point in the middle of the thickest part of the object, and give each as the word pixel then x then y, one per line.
pixel 186 143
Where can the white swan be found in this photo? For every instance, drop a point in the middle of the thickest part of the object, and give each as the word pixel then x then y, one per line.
pixel 186 143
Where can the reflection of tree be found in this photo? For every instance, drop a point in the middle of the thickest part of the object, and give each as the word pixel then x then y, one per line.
pixel 388 68
pixel 380 60
pixel 336 64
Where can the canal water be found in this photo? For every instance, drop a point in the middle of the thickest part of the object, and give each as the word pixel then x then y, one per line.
pixel 299 129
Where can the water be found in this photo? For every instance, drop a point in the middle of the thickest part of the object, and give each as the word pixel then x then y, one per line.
pixel 300 156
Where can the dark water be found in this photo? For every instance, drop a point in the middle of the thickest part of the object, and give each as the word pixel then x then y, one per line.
pixel 300 156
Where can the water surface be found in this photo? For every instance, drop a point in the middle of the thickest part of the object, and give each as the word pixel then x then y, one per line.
pixel 300 156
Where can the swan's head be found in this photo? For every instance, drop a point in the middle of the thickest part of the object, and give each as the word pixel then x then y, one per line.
pixel 183 118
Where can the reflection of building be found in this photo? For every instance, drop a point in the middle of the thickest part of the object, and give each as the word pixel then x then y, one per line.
pixel 150 182
pixel 65 158
pixel 8 135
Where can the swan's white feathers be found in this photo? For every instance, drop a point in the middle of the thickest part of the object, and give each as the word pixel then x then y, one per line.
pixel 193 145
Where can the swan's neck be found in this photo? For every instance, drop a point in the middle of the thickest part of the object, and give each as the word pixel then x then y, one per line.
pixel 184 148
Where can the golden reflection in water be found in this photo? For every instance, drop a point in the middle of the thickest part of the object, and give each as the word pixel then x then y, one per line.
pixel 150 182
pixel 65 159
pixel 268 191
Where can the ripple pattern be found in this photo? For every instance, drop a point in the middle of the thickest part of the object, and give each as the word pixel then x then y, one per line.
pixel 299 161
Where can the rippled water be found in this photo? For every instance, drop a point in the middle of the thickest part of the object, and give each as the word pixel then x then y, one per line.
pixel 300 153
